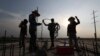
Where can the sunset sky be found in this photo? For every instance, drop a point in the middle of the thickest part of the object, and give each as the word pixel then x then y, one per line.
pixel 12 12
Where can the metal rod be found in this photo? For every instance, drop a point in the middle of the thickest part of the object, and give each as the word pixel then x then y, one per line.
pixel 4 44
pixel 95 34
pixel 41 33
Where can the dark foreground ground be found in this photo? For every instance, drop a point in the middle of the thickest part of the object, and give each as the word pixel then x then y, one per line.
pixel 87 46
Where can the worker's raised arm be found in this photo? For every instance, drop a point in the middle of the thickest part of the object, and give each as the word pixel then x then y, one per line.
pixel 78 21
pixel 44 23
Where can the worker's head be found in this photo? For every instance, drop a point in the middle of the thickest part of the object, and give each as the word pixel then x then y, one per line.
pixel 71 19
pixel 25 21
pixel 52 20
pixel 35 12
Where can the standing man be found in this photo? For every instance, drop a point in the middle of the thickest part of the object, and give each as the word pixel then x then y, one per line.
pixel 71 31
pixel 33 30
pixel 53 28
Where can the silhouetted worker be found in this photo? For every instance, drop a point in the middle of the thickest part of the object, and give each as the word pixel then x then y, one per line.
pixel 23 32
pixel 33 30
pixel 71 31
pixel 53 28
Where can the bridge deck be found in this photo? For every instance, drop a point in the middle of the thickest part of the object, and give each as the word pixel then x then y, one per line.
pixel 15 51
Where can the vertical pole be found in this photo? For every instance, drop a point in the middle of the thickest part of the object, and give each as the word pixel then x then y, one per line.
pixel 95 34
pixel 11 46
pixel 36 27
pixel 94 48
pixel 37 17
pixel 19 51
pixel 13 50
pixel 41 33
pixel 4 44
pixel 5 33
pixel 41 28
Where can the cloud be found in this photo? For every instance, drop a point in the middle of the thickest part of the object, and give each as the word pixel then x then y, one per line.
pixel 8 14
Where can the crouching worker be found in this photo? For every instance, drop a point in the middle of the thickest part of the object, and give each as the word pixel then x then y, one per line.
pixel 23 34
